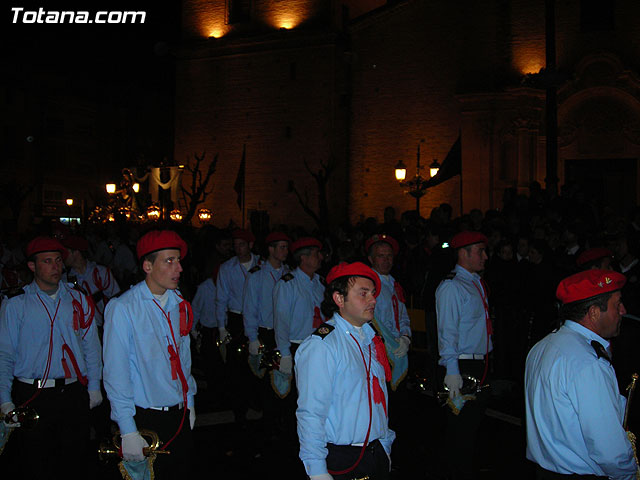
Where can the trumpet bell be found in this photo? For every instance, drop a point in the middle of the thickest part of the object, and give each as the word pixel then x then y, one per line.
pixel 27 417
pixel 107 451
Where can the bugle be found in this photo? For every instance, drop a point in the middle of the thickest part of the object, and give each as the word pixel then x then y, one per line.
pixel 107 450
pixel 470 386
pixel 27 417
pixel 630 389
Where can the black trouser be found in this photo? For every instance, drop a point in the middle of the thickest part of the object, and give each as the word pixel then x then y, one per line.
pixel 176 464
pixel 236 368
pixel 542 474
pixel 374 462
pixel 58 446
pixel 461 431
pixel 212 364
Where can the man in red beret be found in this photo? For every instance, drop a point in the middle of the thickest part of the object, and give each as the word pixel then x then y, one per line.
pixel 391 314
pixel 50 361
pixel 297 298
pixel 95 280
pixel 595 258
pixel 147 357
pixel 574 410
pixel 341 372
pixel 464 342
pixel 229 290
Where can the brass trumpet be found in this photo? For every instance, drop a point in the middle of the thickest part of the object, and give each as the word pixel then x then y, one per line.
pixel 27 417
pixel 630 388
pixel 108 450
pixel 470 386
pixel 270 358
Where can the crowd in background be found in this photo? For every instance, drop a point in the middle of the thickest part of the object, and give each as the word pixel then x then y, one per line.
pixel 534 241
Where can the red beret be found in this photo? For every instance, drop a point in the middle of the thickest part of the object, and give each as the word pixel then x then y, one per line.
pixel 245 235
pixel 589 283
pixel 354 269
pixel 382 238
pixel 277 237
pixel 463 239
pixel 593 254
pixel 46 244
pixel 305 242
pixel 75 242
pixel 156 240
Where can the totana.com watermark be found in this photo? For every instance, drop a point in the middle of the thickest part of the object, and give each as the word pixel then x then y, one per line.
pixel 20 15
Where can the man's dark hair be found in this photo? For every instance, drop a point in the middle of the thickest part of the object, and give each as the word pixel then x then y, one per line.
pixel 151 257
pixel 577 310
pixel 340 285
pixel 297 256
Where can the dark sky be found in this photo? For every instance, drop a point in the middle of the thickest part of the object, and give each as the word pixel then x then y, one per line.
pixel 107 53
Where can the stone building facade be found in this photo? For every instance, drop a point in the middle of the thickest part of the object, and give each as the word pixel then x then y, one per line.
pixel 360 84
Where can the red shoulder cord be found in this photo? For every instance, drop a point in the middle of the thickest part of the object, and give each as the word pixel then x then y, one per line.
pixel 176 365
pixel 367 369
pixel 488 324
pixel 186 317
pixel 97 280
pixel 45 376
pixel 79 316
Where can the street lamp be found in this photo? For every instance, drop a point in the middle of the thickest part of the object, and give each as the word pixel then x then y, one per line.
pixel 417 186
pixel 434 168
pixel 111 188
pixel 153 211
pixel 69 204
pixel 204 215
pixel 175 215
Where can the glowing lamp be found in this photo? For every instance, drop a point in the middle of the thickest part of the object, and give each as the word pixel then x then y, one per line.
pixel 153 211
pixel 401 171
pixel 175 215
pixel 204 215
pixel 136 187
pixel 111 188
pixel 69 201
pixel 434 168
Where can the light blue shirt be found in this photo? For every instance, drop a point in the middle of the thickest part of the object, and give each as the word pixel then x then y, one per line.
pixel 574 409
pixel 294 302
pixel 462 325
pixel 230 285
pixel 384 307
pixel 204 305
pixel 106 283
pixel 333 403
pixel 25 330
pixel 257 304
pixel 137 364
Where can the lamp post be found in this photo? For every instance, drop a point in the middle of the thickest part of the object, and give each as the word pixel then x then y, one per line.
pixel 69 205
pixel 417 186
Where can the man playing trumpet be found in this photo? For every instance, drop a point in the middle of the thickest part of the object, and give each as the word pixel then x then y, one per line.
pixel 147 373
pixel 573 406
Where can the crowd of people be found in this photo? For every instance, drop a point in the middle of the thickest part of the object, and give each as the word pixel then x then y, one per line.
pixel 314 330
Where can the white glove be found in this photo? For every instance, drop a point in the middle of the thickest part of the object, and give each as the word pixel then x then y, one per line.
pixel 453 383
pixel 324 476
pixel 286 364
pixel 95 398
pixel 223 334
pixel 192 417
pixel 6 408
pixel 132 445
pixel 403 346
pixel 254 347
